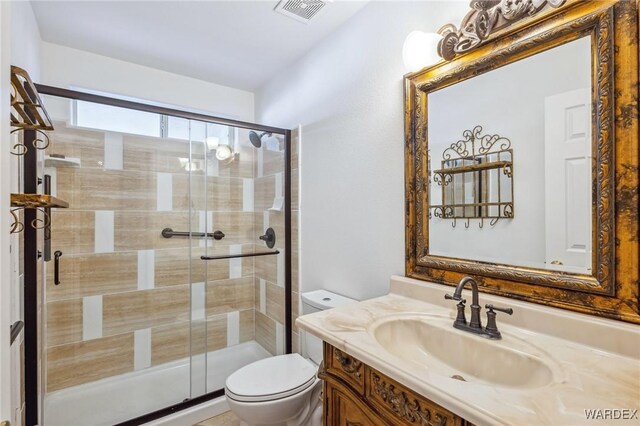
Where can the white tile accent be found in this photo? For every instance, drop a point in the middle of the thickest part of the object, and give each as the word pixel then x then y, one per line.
pixel 233 328
pixel 279 338
pixel 91 317
pixel 206 221
pixel 247 195
pixel 280 268
pixel 263 296
pixel 146 269
pixel 113 151
pixel 235 265
pixel 260 162
pixel 197 301
pixel 104 231
pixel 164 196
pixel 279 185
pixel 142 349
pixel 205 225
pixel 265 219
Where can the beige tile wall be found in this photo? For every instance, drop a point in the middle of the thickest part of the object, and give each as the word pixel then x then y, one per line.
pixel 86 361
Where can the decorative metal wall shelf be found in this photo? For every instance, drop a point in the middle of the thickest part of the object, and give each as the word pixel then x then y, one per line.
pixel 476 177
pixel 27 111
pixel 40 202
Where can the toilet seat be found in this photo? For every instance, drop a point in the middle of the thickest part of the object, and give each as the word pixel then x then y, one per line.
pixel 271 378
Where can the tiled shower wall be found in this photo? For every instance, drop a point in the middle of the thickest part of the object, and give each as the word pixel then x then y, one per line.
pixel 124 299
pixel 269 276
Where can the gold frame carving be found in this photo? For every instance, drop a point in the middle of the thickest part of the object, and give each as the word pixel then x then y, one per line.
pixel 613 290
pixel 485 18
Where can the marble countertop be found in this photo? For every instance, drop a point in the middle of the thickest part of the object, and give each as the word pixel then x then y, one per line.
pixel 596 361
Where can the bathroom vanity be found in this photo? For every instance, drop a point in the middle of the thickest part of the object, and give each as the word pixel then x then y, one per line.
pixel 356 393
pixel 397 359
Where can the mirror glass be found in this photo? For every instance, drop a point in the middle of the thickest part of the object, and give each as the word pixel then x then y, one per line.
pixel 510 163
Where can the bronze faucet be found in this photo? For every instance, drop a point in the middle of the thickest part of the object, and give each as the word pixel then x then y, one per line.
pixel 475 325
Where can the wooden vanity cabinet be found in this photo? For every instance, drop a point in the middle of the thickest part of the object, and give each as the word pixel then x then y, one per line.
pixel 358 395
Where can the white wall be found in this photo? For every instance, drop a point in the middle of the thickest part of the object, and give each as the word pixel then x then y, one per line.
pixel 347 93
pixel 20 45
pixel 6 409
pixel 509 101
pixel 25 40
pixel 67 68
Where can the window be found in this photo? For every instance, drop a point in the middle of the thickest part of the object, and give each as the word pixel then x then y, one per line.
pixel 115 119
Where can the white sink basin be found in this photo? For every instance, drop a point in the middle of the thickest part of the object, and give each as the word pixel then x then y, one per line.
pixel 431 342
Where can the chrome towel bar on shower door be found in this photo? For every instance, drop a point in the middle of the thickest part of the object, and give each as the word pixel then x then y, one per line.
pixel 168 233
pixel 233 256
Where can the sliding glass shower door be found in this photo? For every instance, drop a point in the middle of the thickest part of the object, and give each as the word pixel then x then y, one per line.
pixel 173 271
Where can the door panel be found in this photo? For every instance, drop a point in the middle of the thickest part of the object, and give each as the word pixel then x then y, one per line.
pixel 568 180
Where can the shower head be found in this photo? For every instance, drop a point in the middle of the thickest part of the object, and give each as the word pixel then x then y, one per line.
pixel 255 139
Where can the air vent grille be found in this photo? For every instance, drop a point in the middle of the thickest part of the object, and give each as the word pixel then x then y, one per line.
pixel 300 10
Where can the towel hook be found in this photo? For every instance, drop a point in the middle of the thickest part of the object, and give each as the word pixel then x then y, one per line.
pixel 481 223
pixel 454 223
pixel 466 225
pixel 494 221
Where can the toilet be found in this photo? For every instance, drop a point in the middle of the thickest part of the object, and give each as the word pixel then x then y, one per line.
pixel 284 389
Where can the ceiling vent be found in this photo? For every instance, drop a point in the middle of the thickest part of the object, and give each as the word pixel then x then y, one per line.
pixel 300 10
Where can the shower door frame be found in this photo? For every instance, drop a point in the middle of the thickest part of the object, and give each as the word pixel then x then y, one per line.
pixel 31 367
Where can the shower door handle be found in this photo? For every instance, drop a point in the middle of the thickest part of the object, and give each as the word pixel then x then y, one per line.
pixel 56 267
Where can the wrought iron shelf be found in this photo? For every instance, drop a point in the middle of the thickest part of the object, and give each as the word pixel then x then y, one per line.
pixel 27 110
pixel 35 201
pixel 505 210
pixel 475 167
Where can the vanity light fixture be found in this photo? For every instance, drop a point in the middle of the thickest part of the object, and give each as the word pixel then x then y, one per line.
pixel 420 49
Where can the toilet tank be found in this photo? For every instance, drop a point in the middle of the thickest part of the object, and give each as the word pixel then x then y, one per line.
pixel 315 301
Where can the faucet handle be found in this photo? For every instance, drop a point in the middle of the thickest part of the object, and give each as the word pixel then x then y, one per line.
pixel 492 308
pixel 456 298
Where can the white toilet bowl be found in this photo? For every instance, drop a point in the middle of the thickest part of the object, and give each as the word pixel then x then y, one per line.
pixel 284 390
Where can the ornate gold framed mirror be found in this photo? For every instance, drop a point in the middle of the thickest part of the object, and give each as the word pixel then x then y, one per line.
pixel 560 80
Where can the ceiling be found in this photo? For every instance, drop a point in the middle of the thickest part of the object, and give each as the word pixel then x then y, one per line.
pixel 240 44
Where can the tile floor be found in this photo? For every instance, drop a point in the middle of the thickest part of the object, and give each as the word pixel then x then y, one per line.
pixel 224 419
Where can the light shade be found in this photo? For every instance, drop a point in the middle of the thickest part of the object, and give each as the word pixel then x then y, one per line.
pixel 420 49
pixel 212 142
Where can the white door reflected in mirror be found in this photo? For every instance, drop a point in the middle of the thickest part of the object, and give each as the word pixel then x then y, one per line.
pixel 568 181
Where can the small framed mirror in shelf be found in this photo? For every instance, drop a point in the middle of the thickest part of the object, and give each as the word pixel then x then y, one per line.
pixel 475 177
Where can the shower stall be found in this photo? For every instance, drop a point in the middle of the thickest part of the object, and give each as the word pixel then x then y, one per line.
pixel 171 268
